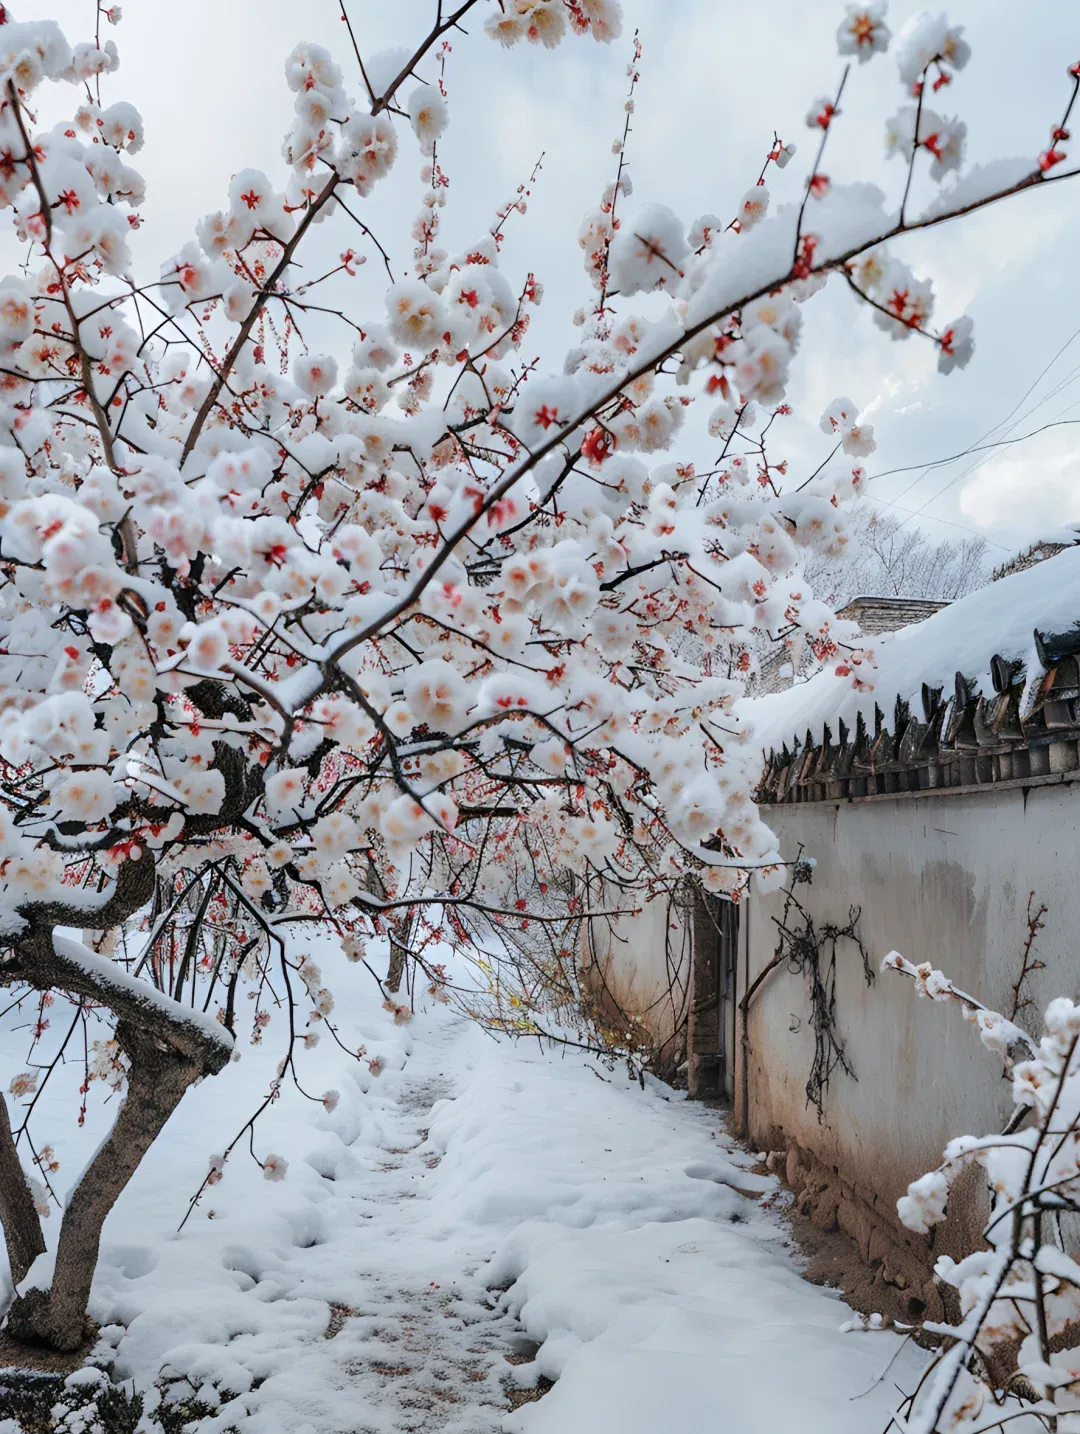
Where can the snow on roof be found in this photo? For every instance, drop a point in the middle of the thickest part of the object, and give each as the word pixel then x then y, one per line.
pixel 999 619
pixel 877 615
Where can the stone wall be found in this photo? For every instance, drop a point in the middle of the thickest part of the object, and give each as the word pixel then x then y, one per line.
pixel 899 1260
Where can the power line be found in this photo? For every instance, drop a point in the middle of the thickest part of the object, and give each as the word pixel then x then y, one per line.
pixel 972 466
pixel 975 448
pixel 947 521
pixel 1069 378
pixel 1033 386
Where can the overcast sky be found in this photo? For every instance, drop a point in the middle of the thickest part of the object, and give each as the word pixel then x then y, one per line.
pixel 717 77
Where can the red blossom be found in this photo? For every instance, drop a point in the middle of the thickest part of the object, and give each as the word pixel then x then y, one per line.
pixel 597 445
pixel 804 264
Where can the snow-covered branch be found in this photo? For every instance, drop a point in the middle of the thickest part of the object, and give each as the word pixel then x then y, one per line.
pixel 392 639
pixel 1014 1350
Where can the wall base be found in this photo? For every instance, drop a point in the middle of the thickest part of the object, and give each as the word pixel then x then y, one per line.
pixel 893 1256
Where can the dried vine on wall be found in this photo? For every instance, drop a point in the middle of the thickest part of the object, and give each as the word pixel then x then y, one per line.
pixel 1029 964
pixel 803 948
pixel 811 951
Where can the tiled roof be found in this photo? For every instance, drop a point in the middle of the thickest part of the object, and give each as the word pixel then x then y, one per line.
pixel 1037 553
pixel 986 690
pixel 888 614
pixel 958 739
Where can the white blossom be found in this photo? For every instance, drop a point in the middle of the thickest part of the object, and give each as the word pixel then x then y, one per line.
pixel 274 1167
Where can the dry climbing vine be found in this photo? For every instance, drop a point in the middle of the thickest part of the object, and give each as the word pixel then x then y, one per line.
pixel 804 948
pixel 811 951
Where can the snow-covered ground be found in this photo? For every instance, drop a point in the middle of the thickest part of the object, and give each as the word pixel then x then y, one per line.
pixel 476 1200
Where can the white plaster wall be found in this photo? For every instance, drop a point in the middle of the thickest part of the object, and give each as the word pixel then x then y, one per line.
pixel 944 879
pixel 643 963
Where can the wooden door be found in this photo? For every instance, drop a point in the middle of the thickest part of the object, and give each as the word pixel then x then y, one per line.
pixel 714 946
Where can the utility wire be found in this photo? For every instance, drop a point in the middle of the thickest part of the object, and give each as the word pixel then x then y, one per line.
pixel 963 528
pixel 972 466
pixel 1008 423
pixel 975 448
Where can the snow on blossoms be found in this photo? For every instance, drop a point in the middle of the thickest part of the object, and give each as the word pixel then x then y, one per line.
pixel 403 594
pixel 327 602
pixel 405 616
pixel 1017 1289
pixel 333 618
pixel 863 31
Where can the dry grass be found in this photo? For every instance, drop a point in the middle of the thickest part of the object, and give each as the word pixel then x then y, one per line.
pixel 338 1315
pixel 517 1397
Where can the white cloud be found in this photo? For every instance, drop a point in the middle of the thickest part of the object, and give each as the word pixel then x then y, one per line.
pixel 1031 489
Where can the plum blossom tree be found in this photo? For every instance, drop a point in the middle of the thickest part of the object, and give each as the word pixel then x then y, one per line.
pixel 390 641
pixel 1012 1356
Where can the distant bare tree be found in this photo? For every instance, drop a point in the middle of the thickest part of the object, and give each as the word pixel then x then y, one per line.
pixel 886 557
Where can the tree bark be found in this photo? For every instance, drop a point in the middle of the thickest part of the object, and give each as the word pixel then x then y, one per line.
pixel 398 928
pixel 399 950
pixel 157 1080
pixel 18 1214
pixel 168 1047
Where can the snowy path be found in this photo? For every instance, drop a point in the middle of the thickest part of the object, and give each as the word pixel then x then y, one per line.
pixel 369 1316
pixel 354 1296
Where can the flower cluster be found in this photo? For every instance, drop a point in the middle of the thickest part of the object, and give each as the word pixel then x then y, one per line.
pixel 416 624
pixel 545 22
pixel 1019 1292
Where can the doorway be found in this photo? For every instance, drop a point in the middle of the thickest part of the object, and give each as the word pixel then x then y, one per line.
pixel 710 1014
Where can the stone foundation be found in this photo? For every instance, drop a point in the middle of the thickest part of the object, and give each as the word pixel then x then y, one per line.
pixel 894 1256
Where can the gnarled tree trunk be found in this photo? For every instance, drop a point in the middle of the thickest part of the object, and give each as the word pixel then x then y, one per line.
pixel 157 1079
pixel 168 1046
pixel 18 1215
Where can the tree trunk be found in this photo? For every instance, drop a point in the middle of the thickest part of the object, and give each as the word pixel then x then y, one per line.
pixel 168 1045
pixel 399 942
pixel 398 928
pixel 18 1215
pixel 157 1080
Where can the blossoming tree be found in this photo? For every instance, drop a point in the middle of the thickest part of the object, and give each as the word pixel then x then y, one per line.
pixel 397 638
pixel 1013 1355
